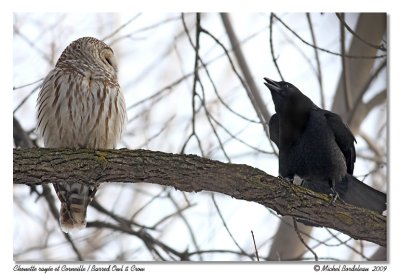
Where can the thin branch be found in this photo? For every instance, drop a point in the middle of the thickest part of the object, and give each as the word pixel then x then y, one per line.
pixel 248 83
pixel 27 85
pixel 208 115
pixel 319 71
pixel 196 65
pixel 157 95
pixel 214 251
pixel 204 66
pixel 53 209
pixel 196 80
pixel 372 159
pixel 234 137
pixel 33 45
pixel 341 19
pixel 179 212
pixel 199 29
pixel 365 108
pixel 226 226
pixel 251 88
pixel 255 246
pixel 364 89
pixel 335 236
pixel 249 80
pixel 153 199
pixel 375 101
pixel 148 240
pixel 271 46
pixel 26 98
pixel 373 146
pixel 169 216
pixel 340 242
pixel 346 88
pixel 302 240
pixel 144 29
pixel 96 205
pixel 121 27
pixel 164 127
pixel 325 50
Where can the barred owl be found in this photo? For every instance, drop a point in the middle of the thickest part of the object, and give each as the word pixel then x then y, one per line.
pixel 80 105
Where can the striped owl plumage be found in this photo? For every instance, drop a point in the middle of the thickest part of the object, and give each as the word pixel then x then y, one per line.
pixel 80 105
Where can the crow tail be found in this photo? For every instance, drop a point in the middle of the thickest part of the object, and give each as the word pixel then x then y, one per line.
pixel 352 191
pixel 362 195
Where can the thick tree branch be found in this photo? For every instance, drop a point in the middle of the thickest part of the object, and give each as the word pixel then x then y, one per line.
pixel 192 173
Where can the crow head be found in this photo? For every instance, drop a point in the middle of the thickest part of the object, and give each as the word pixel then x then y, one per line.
pixel 286 98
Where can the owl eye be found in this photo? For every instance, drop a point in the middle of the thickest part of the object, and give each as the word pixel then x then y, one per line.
pixel 108 58
pixel 109 61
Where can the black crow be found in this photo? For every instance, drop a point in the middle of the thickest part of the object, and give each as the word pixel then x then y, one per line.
pixel 317 146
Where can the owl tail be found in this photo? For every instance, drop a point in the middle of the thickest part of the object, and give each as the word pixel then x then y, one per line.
pixel 75 199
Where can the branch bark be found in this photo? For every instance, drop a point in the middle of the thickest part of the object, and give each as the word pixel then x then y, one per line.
pixel 193 173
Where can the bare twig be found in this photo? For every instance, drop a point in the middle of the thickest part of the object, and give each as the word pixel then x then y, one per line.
pixel 372 144
pixel 179 212
pixel 345 243
pixel 26 98
pixel 325 50
pixel 27 85
pixel 341 18
pixel 319 71
pixel 150 242
pixel 346 87
pixel 234 136
pixel 33 45
pixel 302 240
pixel 226 226
pixel 364 89
pixel 199 29
pixel 208 116
pixel 271 45
pixel 144 29
pixel 96 205
pixel 53 209
pixel 195 80
pixel 255 246
pixel 251 88
pixel 249 83
pixel 121 27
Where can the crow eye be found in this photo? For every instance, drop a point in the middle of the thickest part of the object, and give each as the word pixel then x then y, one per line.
pixel 286 86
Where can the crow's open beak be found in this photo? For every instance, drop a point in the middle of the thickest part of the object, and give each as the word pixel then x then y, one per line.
pixel 271 84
